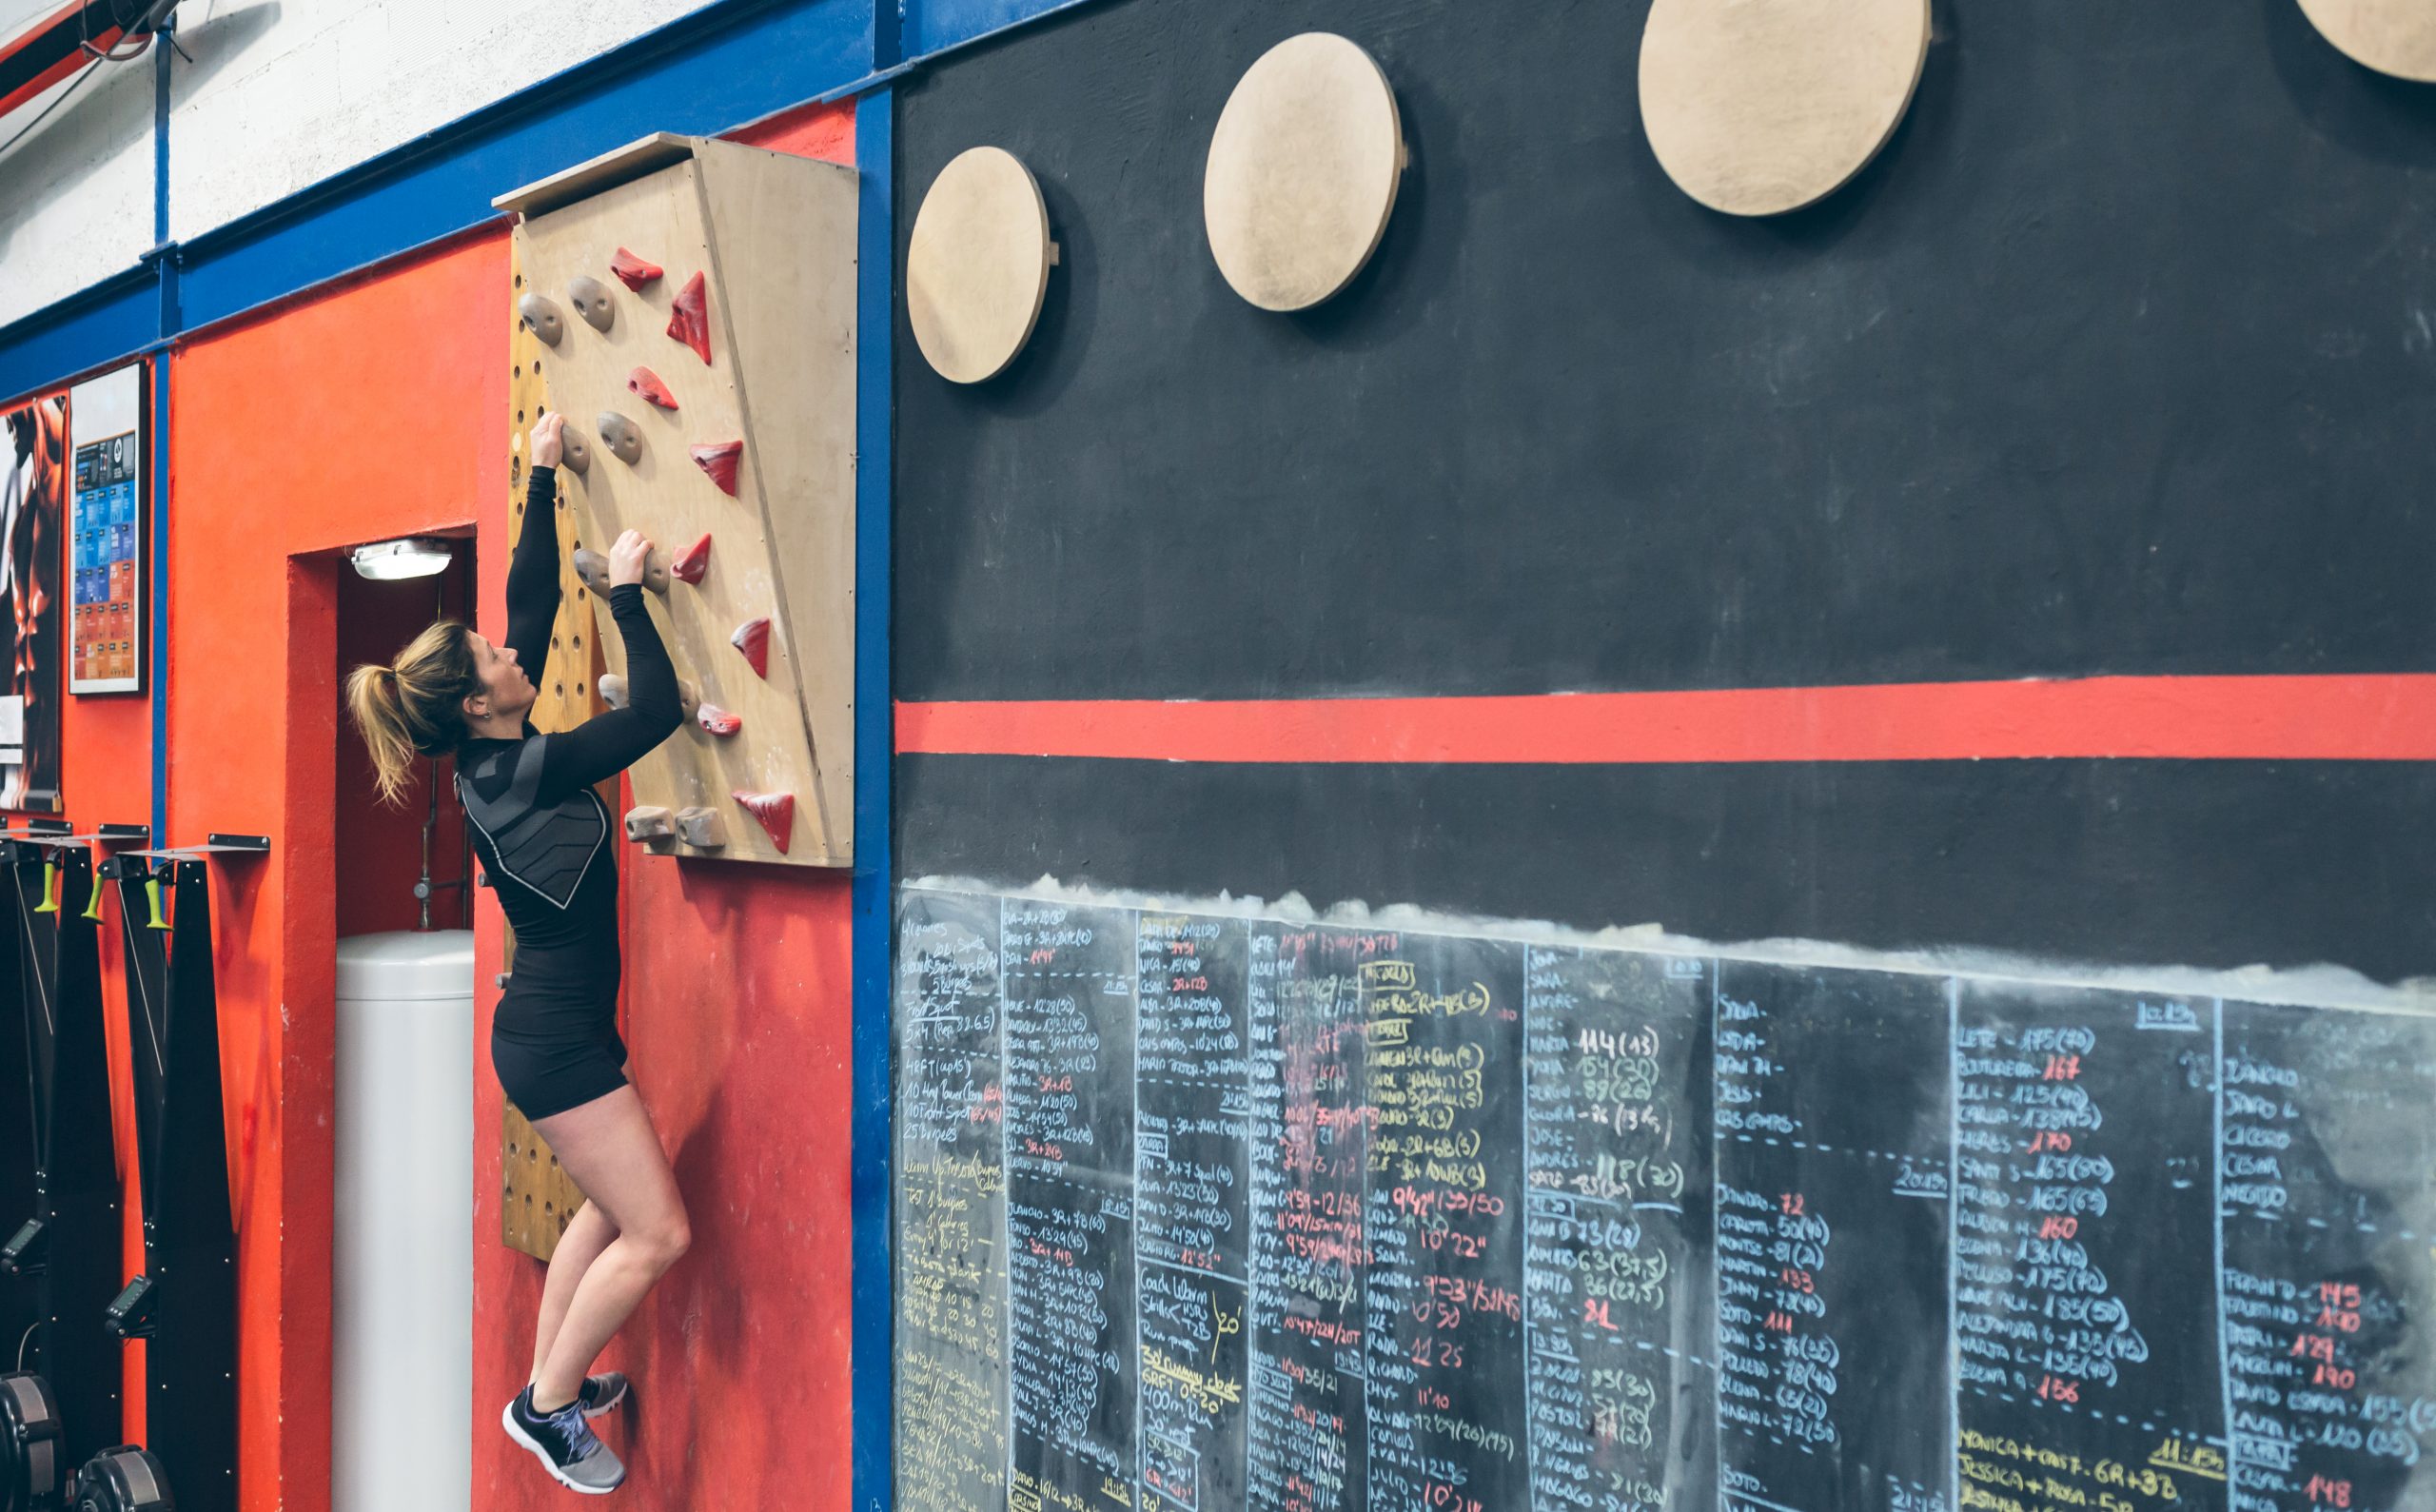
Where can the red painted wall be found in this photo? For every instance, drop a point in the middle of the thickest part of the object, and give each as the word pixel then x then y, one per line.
pixel 737 1013
pixel 283 450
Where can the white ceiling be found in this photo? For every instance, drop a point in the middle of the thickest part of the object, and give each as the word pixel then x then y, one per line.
pixel 16 16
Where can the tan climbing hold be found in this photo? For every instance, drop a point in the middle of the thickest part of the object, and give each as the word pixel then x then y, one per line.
pixel 593 569
pixel 541 316
pixel 647 823
pixel 702 829
pixel 613 691
pixel 624 440
pixel 590 300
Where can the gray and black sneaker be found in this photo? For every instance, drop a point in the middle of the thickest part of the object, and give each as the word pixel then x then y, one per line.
pixel 603 1393
pixel 565 1445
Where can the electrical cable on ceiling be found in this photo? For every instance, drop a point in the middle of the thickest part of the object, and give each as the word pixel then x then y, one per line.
pixel 85 38
pixel 146 25
pixel 56 101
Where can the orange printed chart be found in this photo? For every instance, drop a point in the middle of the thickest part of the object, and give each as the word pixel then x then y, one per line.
pixel 105 535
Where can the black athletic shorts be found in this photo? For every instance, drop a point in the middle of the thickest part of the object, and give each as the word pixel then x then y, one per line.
pixel 554 1041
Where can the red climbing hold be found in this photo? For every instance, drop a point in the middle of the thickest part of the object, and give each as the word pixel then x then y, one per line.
pixel 718 721
pixel 752 638
pixel 776 812
pixel 720 461
pixel 646 384
pixel 689 318
pixel 632 271
pixel 691 566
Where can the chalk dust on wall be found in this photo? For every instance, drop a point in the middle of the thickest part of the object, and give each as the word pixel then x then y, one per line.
pixel 2326 985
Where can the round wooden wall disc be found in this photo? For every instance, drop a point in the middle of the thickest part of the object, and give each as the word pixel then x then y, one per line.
pixel 1303 171
pixel 2391 36
pixel 1760 106
pixel 978 265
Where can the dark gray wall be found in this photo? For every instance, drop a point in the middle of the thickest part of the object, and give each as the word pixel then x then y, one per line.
pixel 2117 360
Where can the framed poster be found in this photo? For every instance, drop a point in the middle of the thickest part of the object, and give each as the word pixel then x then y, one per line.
pixel 33 509
pixel 105 535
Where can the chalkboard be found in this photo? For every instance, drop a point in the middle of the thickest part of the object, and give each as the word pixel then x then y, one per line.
pixel 1832 1246
pixel 2084 1146
pixel 1205 1212
pixel 951 1203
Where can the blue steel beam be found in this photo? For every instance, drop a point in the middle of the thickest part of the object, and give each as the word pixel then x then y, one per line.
pixel 874 933
pixel 933 27
pixel 113 319
pixel 155 622
pixel 732 62
pixel 701 75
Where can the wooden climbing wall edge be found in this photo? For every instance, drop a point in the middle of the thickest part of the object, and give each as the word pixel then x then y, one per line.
pixel 796 272
pixel 781 311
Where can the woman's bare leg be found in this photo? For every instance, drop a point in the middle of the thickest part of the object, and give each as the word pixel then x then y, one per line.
pixel 587 1235
pixel 611 1150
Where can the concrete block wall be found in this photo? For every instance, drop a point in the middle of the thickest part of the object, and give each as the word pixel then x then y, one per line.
pixel 75 194
pixel 288 92
pixel 280 94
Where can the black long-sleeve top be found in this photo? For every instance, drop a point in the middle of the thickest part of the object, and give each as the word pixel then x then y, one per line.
pixel 559 881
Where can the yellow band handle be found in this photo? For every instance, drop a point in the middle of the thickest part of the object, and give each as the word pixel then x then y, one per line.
pixel 49 903
pixel 152 895
pixel 94 904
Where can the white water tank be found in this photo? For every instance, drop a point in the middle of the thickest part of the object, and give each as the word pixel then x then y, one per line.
pixel 401 1249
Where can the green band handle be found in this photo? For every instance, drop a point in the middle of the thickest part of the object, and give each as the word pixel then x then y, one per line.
pixel 152 895
pixel 49 903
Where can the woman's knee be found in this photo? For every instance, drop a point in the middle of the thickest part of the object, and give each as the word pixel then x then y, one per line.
pixel 664 1243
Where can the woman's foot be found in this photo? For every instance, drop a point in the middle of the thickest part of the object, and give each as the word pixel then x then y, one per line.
pixel 565 1445
pixel 603 1393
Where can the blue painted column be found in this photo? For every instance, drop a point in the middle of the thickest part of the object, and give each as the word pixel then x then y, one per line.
pixel 874 756
pixel 172 316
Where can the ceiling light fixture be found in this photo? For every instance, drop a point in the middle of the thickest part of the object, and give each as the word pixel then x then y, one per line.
pixel 393 561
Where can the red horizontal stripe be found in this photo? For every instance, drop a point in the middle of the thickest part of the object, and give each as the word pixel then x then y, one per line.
pixel 2389 718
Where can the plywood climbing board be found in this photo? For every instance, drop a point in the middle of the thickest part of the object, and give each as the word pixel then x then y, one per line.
pixel 702 299
pixel 568 693
pixel 537 1198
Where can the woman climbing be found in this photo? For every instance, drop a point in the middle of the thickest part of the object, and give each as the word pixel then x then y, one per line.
pixel 544 837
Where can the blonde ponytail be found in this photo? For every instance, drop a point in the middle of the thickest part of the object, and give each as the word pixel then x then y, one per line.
pixel 414 706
